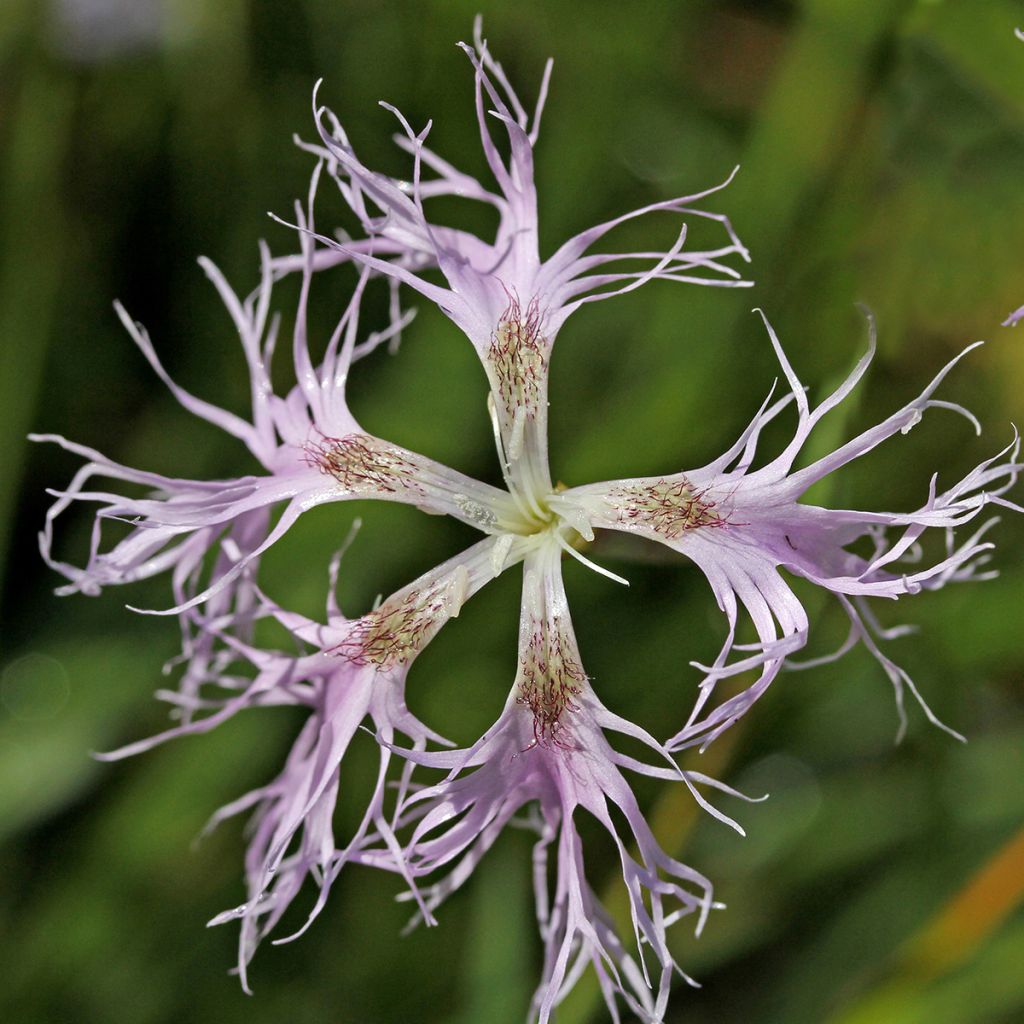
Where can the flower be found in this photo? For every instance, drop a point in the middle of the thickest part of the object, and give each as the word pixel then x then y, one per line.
pixel 740 526
pixel 356 670
pixel 550 747
pixel 509 302
pixel 312 450
pixel 550 752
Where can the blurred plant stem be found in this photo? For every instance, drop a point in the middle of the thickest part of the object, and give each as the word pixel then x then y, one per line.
pixel 947 941
pixel 497 980
pixel 33 233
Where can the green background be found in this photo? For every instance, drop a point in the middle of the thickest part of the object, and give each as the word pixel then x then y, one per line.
pixel 882 153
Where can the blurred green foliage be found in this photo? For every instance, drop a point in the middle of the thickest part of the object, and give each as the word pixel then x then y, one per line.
pixel 881 145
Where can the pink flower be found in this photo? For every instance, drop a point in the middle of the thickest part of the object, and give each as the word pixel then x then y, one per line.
pixel 508 300
pixel 740 526
pixel 356 671
pixel 312 450
pixel 549 753
pixel 550 747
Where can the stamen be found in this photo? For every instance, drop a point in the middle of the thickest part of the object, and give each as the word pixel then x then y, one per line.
pixel 499 553
pixel 567 547
pixel 573 514
pixel 526 503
